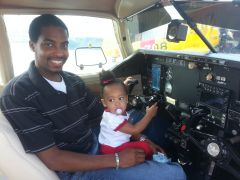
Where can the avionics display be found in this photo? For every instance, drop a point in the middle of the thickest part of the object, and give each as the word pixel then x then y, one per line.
pixel 156 76
pixel 213 100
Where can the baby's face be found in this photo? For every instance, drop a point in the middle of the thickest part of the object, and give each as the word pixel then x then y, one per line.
pixel 114 97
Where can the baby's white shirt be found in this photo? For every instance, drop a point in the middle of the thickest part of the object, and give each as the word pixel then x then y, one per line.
pixel 109 134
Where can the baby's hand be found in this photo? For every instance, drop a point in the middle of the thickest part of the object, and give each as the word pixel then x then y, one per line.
pixel 152 110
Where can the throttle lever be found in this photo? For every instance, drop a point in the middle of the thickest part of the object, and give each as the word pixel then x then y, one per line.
pixel 200 111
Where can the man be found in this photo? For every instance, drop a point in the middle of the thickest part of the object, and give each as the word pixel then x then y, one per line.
pixel 53 112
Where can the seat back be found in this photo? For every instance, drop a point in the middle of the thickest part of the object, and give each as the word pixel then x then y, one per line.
pixel 15 164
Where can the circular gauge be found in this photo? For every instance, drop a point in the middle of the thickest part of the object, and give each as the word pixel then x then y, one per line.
pixel 168 87
pixel 213 149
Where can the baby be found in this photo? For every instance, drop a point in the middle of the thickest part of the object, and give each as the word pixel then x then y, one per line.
pixel 116 131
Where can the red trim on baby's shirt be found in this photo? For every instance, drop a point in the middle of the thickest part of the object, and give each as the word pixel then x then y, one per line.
pixel 121 125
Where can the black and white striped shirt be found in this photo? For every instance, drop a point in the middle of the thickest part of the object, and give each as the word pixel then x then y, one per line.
pixel 43 117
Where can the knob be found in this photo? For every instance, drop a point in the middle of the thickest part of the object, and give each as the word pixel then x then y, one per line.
pixel 199 127
pixel 213 149
pixel 192 65
pixel 209 77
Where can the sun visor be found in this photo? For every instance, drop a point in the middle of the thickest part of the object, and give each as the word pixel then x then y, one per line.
pixel 126 8
pixel 220 14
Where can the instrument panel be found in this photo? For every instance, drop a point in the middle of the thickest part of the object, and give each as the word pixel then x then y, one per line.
pixel 186 84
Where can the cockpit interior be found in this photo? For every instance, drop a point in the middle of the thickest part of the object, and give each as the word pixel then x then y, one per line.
pixel 199 98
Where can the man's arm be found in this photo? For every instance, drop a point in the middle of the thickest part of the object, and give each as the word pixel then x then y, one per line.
pixel 61 160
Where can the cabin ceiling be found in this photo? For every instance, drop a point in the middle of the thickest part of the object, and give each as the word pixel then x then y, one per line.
pixel 88 5
pixel 117 8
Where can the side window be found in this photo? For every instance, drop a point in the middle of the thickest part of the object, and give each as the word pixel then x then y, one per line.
pixel 83 31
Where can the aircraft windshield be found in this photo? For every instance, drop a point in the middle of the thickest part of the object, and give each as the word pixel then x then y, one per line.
pixel 148 29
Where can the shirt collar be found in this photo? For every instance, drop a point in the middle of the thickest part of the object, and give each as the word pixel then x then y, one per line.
pixel 39 82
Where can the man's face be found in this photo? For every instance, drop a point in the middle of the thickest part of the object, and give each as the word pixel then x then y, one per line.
pixel 51 51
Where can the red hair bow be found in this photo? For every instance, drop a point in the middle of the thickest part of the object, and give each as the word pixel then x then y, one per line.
pixel 106 81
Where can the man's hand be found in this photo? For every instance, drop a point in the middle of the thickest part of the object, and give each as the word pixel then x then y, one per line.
pixel 131 157
pixel 128 79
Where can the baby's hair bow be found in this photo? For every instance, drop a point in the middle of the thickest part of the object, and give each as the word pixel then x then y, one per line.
pixel 104 82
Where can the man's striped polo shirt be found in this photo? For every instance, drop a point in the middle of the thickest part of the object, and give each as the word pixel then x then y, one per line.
pixel 43 117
